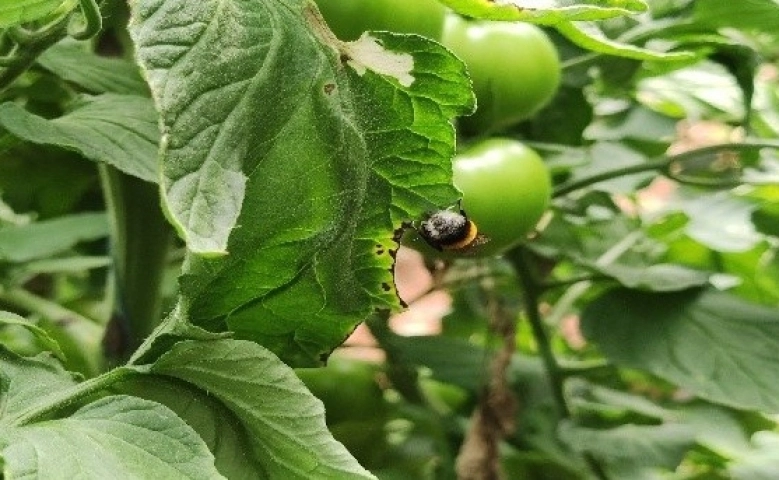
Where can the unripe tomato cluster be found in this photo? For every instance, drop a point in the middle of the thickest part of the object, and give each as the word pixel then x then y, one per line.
pixel 515 72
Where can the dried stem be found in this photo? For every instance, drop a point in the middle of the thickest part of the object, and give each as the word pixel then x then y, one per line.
pixel 494 417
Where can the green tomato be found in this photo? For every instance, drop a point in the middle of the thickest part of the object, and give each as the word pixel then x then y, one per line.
pixel 348 19
pixel 514 67
pixel 505 187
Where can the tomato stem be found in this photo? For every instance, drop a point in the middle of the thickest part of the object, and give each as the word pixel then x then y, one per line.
pixel 403 377
pixel 532 291
pixel 664 164
pixel 140 241
pixel 21 57
pixel 569 187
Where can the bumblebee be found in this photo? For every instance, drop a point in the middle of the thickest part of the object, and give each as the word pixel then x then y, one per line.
pixel 449 230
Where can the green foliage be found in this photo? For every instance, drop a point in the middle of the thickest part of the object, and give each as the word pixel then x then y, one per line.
pixel 50 237
pixel 13 12
pixel 549 12
pixel 635 327
pixel 92 129
pixel 76 63
pixel 692 338
pixel 326 183
pixel 127 437
pixel 280 419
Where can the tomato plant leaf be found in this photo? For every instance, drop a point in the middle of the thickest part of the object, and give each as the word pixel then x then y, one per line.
pixel 708 214
pixel 701 90
pixel 717 428
pixel 284 424
pixel 75 263
pixel 547 12
pixel 630 450
pixel 761 463
pixel 93 129
pixel 14 12
pixel 72 61
pixel 44 181
pixel 715 345
pixel 8 318
pixel 742 62
pixel 317 171
pixel 251 117
pixel 114 437
pixel 588 35
pixel 766 219
pixel 213 421
pixel 750 15
pixel 659 277
pixel 27 382
pixel 435 353
pixel 49 237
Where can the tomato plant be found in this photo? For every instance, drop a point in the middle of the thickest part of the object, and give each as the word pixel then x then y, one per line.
pixel 514 66
pixel 350 18
pixel 200 203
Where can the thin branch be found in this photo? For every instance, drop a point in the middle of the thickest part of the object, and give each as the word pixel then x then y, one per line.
pixel 532 291
pixel 663 165
pixel 92 23
pixel 567 188
pixel 494 418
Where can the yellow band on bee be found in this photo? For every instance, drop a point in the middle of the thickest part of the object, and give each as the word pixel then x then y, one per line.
pixel 467 240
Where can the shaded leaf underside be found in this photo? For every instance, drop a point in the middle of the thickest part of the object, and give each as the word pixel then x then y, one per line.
pixel 114 437
pixel 715 345
pixel 282 424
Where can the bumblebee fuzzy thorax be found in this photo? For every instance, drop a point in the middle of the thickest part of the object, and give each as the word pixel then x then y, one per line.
pixel 447 230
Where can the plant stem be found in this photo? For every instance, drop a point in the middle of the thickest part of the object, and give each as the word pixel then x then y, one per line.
pixel 567 188
pixel 580 60
pixel 585 367
pixel 20 61
pixel 93 21
pixel 664 163
pixel 494 418
pixel 532 288
pixel 140 237
pixel 532 291
pixel 70 397
pixel 405 379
